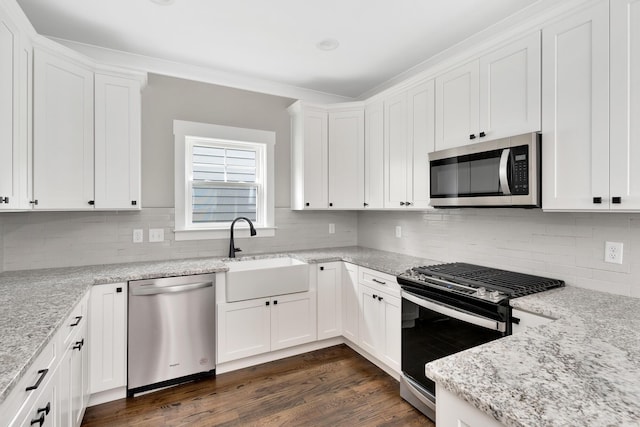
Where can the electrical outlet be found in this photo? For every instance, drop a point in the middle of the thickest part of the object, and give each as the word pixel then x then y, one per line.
pixel 156 234
pixel 332 229
pixel 138 236
pixel 613 252
pixel 398 231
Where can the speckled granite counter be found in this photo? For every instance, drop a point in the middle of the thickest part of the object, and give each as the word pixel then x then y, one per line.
pixel 34 303
pixel 580 370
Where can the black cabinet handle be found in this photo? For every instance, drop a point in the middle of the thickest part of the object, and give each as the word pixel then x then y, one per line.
pixel 482 134
pixel 597 200
pixel 4 199
pixel 78 345
pixel 34 202
pixel 266 303
pixel 275 302
pixel 321 268
pixel 330 204
pixel 374 296
pixel 118 290
pixel 306 204
pixel 379 281
pixel 134 202
pixel 46 409
pixel 92 202
pixel 380 298
pixel 616 200
pixel 365 204
pixel 515 320
pixel 472 136
pixel 42 373
pixel 38 421
pixel 408 203
pixel 78 319
pixel 401 203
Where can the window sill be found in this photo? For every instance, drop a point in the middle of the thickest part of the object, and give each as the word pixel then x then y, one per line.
pixel 221 233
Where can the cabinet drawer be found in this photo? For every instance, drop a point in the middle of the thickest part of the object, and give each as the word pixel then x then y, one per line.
pixel 43 410
pixel 31 384
pixel 74 322
pixel 379 281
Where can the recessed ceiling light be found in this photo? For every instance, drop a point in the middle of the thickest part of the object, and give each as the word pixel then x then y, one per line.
pixel 328 44
pixel 163 2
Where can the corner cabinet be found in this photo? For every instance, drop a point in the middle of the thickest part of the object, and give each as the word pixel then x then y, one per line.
pixel 575 122
pixel 494 96
pixel 63 132
pixel 327 155
pixel 408 138
pixel 248 328
pixel 329 288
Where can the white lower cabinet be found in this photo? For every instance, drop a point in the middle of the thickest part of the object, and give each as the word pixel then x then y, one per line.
pixel 108 336
pixel 329 299
pixel 44 411
pixel 248 328
pixel 350 303
pixel 452 411
pixel 380 317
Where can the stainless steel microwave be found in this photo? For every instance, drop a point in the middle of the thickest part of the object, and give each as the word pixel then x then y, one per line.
pixel 500 173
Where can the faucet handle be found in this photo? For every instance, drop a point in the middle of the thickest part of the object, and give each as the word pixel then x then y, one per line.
pixel 237 250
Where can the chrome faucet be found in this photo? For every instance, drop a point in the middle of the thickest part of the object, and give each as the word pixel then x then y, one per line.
pixel 232 248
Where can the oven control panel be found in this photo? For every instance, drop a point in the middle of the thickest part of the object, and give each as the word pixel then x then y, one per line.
pixel 478 292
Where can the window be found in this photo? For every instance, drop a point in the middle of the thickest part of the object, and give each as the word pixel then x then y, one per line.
pixel 222 173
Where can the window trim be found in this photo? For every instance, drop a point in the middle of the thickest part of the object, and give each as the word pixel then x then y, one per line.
pixel 183 129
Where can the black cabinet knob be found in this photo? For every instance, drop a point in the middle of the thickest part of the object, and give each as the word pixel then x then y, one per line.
pixel 401 203
pixel 46 409
pixel 4 199
pixel 321 268
pixel 330 204
pixel 275 302
pixel 472 136
pixel 374 296
pixel 92 202
pixel 408 203
pixel 134 202
pixel 33 202
pixel 379 298
pixel 616 200
pixel 482 134
pixel 118 290
pixel 597 200
pixel 38 421
pixel 365 204
pixel 266 303
pixel 306 204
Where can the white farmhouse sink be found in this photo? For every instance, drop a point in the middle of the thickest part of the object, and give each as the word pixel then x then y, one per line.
pixel 267 277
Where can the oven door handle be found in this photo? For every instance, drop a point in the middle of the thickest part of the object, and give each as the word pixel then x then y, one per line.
pixel 456 314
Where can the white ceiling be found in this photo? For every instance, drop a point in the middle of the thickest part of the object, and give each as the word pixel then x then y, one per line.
pixel 275 40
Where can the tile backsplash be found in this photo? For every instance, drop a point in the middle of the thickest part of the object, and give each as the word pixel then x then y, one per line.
pixel 62 239
pixel 568 246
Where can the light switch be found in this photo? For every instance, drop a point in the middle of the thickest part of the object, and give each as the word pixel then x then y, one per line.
pixel 156 234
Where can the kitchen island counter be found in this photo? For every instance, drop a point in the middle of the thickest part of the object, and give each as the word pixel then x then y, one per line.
pixel 582 369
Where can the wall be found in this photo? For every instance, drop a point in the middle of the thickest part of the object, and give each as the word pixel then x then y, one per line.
pixel 62 239
pixel 568 246
pixel 166 99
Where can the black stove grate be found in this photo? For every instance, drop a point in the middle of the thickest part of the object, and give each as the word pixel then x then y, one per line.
pixel 511 283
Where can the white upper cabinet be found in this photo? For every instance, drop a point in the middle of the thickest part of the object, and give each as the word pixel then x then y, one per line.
pixel 625 105
pixel 575 105
pixel 309 157
pixel 495 96
pixel 457 106
pixel 510 88
pixel 117 142
pixel 15 114
pixel 63 133
pixel 346 158
pixel 408 138
pixel 374 155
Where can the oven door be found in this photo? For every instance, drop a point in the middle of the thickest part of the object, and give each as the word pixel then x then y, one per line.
pixel 431 330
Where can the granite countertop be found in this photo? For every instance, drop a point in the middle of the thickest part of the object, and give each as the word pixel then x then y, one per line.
pixel 34 303
pixel 580 370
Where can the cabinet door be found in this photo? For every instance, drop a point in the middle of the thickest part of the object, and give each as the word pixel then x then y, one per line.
pixel 575 105
pixel 396 151
pixel 244 329
pixel 63 133
pixel 108 336
pixel 117 143
pixel 44 411
pixel 350 303
pixel 374 156
pixel 510 89
pixel 421 114
pixel 457 105
pixel 625 105
pixel 9 117
pixel 391 322
pixel 78 364
pixel 293 320
pixel 370 326
pixel 315 159
pixel 329 300
pixel 346 159
pixel 25 168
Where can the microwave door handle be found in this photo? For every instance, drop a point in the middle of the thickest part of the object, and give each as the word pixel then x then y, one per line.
pixel 504 178
pixel 456 314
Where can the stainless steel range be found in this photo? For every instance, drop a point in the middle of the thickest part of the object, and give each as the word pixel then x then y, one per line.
pixel 448 308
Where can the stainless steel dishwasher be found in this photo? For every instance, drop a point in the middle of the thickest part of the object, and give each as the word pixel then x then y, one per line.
pixel 172 326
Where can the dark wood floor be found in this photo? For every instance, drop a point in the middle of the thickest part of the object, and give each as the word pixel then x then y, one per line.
pixel 329 387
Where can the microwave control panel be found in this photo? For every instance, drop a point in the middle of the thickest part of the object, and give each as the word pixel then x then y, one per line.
pixel 520 170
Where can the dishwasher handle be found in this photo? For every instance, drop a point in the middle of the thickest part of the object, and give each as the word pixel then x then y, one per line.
pixel 152 289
